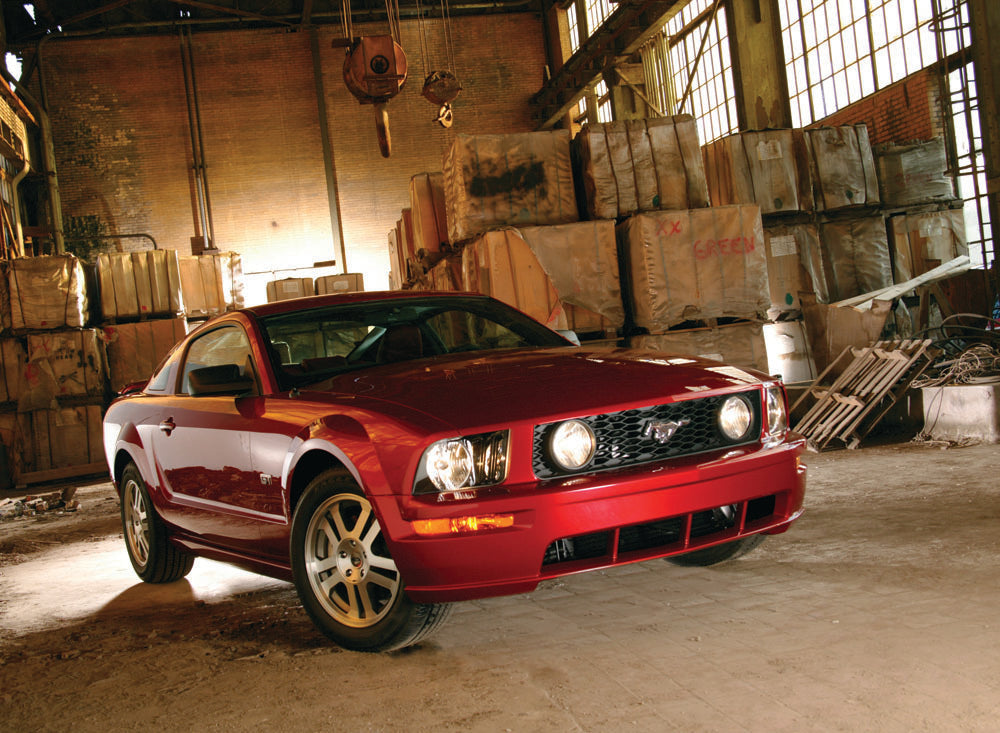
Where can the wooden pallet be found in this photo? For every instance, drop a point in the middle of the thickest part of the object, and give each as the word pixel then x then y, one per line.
pixel 870 382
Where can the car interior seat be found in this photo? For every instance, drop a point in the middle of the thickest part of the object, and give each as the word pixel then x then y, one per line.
pixel 400 343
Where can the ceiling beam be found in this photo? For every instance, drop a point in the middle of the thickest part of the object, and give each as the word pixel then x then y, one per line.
pixel 633 23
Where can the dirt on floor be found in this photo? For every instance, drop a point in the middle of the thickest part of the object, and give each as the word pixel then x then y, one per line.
pixel 877 611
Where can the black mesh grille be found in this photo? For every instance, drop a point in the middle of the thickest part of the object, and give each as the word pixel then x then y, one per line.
pixel 625 438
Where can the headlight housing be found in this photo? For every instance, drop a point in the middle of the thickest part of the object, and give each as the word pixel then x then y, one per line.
pixel 736 417
pixel 777 414
pixel 469 462
pixel 571 445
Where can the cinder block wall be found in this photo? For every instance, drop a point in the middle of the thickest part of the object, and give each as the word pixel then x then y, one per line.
pixel 908 110
pixel 123 145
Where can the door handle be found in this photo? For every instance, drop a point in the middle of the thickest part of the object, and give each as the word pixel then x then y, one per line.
pixel 167 425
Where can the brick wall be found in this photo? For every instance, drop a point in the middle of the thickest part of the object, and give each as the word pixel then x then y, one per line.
pixel 123 146
pixel 908 110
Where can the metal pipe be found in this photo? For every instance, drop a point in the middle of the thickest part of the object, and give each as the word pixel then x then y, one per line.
pixel 116 236
pixel 15 205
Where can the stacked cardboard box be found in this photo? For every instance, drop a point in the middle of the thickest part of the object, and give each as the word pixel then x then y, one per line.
pixel 135 349
pixel 914 174
pixel 923 240
pixel 842 167
pixel 136 285
pixel 288 288
pixel 46 292
pixel 427 211
pixel 351 282
pixel 211 284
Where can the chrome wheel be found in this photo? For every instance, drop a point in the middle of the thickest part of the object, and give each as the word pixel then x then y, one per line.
pixel 347 562
pixel 136 522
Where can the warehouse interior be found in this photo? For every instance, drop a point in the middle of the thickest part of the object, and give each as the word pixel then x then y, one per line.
pixel 166 161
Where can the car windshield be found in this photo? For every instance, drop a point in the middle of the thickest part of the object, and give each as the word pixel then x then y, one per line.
pixel 313 344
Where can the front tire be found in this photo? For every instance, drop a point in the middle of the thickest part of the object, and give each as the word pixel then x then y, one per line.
pixel 718 553
pixel 153 558
pixel 345 577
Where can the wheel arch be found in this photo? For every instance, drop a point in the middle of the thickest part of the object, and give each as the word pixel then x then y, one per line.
pixel 308 466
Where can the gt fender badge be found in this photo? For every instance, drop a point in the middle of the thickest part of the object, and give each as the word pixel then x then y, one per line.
pixel 662 431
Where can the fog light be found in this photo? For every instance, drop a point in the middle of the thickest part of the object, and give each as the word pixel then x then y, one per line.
pixel 572 445
pixel 735 417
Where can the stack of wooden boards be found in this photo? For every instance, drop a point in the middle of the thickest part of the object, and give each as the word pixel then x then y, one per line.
pixel 633 230
pixel 60 370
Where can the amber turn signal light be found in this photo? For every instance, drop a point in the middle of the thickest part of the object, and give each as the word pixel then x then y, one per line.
pixel 460 525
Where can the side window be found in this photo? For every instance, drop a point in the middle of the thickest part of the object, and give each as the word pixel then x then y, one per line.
pixel 226 345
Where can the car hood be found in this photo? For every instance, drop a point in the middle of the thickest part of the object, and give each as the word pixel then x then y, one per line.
pixel 490 389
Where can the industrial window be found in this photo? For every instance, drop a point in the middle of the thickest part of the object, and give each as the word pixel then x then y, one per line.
pixel 688 69
pixel 573 21
pixel 840 51
pixel 597 12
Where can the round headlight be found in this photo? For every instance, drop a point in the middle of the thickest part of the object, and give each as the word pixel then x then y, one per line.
pixel 450 465
pixel 735 417
pixel 572 445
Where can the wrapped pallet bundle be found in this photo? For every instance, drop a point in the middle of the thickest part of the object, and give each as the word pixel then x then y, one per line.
pixel 397 265
pixel 13 360
pixel 914 174
pixel 794 266
pixel 856 255
pixel 565 276
pixel 922 241
pixel 211 284
pixel 523 179
pixel 738 344
pixel 60 438
pixel 135 349
pixel 842 167
pixel 695 264
pixel 139 284
pixel 350 282
pixel 446 275
pixel 289 287
pixel 63 364
pixel 427 209
pixel 639 165
pixel 47 292
pixel 769 168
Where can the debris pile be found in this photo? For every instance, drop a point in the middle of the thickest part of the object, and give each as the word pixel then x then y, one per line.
pixel 29 506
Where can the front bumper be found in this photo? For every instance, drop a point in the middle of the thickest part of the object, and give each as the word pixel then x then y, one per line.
pixel 609 519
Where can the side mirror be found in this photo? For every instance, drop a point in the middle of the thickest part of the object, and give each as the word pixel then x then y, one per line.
pixel 222 379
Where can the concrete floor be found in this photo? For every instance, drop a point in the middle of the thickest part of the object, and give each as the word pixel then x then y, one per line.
pixel 878 611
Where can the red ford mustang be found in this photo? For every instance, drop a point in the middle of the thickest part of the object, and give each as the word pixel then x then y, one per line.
pixel 392 452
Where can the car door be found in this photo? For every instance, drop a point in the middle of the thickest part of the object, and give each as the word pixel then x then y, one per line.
pixel 202 449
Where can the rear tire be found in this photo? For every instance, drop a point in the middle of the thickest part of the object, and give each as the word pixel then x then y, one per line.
pixel 718 553
pixel 153 558
pixel 345 577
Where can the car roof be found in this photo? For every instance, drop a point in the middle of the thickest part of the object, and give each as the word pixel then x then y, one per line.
pixel 318 301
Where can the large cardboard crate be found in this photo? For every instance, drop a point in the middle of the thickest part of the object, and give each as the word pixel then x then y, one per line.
pixel 427 209
pixel 922 241
pixel 794 266
pixel 60 438
pixel 446 275
pixel 737 344
pixel 139 284
pixel 211 284
pixel 914 174
pixel 351 282
pixel 63 364
pixel 565 276
pixel 856 256
pixel 639 165
pixel 290 287
pixel 694 265
pixel 47 292
pixel 523 179
pixel 769 168
pixel 842 167
pixel 134 350
pixel 13 361
pixel 397 264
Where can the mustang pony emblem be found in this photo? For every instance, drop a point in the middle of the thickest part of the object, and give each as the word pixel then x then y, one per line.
pixel 662 432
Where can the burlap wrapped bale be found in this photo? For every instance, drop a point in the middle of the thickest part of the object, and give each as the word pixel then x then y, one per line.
pixel 47 292
pixel 769 168
pixel 523 179
pixel 922 241
pixel 695 264
pixel 139 284
pixel 914 174
pixel 794 266
pixel 856 255
pixel 737 344
pixel 639 165
pixel 134 350
pixel 842 167
pixel 427 208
